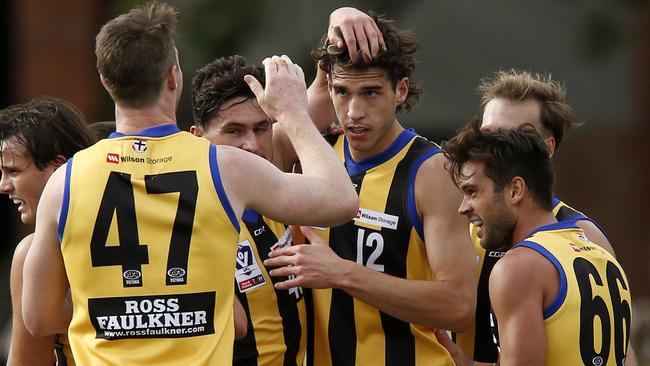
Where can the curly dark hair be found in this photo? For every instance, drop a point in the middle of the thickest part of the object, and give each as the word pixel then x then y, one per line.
pixel 47 128
pixel 398 59
pixel 505 153
pixel 218 82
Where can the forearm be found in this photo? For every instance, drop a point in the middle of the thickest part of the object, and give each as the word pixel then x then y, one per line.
pixel 319 160
pixel 437 304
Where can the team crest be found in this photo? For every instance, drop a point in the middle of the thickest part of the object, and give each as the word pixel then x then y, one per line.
pixel 139 146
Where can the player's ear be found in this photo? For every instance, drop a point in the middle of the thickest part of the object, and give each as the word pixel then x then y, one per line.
pixel 196 130
pixel 550 145
pixel 402 90
pixel 516 190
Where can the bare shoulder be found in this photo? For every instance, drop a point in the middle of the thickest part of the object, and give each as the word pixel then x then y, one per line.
pixel 434 185
pixel 521 271
pixel 596 235
pixel 20 253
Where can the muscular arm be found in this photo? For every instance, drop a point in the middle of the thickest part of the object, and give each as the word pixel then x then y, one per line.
pixel 519 289
pixel 449 300
pixel 26 349
pixel 446 302
pixel 45 285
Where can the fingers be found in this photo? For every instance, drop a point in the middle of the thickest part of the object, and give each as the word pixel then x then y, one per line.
pixel 311 235
pixel 255 85
pixel 290 283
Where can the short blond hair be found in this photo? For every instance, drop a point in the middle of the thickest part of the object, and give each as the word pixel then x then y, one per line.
pixel 557 117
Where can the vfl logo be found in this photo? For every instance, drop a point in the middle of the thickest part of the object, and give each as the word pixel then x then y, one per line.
pixel 176 272
pixel 139 146
pixel 132 274
pixel 113 158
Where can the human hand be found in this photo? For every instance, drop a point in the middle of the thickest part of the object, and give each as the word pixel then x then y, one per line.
pixel 312 265
pixel 285 92
pixel 357 31
pixel 460 358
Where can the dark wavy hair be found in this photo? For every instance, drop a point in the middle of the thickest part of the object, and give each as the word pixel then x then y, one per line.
pixel 218 82
pixel 46 127
pixel 505 153
pixel 398 60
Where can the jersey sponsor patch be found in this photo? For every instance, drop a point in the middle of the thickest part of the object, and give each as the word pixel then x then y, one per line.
pixel 113 158
pixel 284 241
pixel 248 274
pixel 161 316
pixel 376 219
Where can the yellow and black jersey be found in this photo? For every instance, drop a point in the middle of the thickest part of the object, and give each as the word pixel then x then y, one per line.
pixel 148 238
pixel 588 321
pixel 479 339
pixel 387 236
pixel 276 318
pixel 62 351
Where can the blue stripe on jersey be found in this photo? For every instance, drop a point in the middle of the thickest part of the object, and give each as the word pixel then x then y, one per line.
pixel 250 216
pixel 578 216
pixel 410 198
pixel 156 131
pixel 561 294
pixel 355 168
pixel 566 224
pixel 63 215
pixel 555 201
pixel 216 179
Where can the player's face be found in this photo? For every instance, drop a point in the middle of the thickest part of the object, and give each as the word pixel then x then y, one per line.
pixel 365 103
pixel 485 208
pixel 243 124
pixel 21 179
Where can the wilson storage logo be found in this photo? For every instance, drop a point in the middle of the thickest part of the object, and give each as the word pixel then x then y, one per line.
pixel 113 158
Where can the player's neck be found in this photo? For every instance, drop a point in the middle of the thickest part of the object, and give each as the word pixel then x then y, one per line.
pixel 129 121
pixel 382 143
pixel 529 220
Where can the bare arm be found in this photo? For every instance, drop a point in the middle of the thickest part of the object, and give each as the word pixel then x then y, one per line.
pixel 45 285
pixel 446 302
pixel 517 294
pixel 286 197
pixel 241 320
pixel 26 349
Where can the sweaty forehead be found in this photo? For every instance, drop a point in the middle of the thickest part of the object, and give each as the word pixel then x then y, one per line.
pixel 350 74
pixel 12 153
pixel 506 113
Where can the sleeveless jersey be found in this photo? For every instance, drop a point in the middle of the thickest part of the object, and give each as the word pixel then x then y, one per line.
pixel 62 351
pixel 276 318
pixel 592 286
pixel 479 339
pixel 387 236
pixel 148 238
